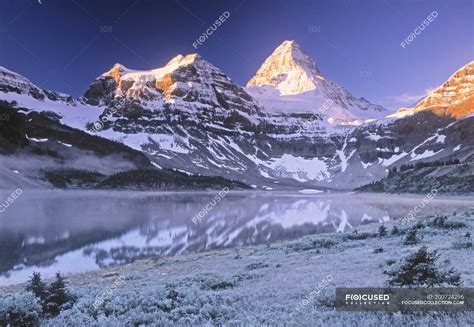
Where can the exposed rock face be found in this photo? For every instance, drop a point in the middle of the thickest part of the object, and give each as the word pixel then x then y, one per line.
pixel 455 97
pixel 101 91
pixel 186 81
pixel 11 82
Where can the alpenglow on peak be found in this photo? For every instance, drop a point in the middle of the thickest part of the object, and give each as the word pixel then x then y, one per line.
pixel 289 69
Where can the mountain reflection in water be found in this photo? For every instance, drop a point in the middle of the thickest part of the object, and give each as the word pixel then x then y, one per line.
pixel 79 231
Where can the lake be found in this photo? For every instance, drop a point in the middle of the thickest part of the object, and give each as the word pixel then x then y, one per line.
pixel 79 231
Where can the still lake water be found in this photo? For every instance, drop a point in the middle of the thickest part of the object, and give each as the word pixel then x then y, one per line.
pixel 78 231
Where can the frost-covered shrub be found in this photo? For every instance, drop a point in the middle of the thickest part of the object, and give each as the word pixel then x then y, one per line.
pixel 187 302
pixel 462 245
pixel 418 225
pixel 256 265
pixel 306 245
pixel 323 243
pixel 72 317
pixel 240 276
pixel 214 282
pixel 378 250
pixel 327 298
pixel 361 236
pixel 444 223
pixel 20 309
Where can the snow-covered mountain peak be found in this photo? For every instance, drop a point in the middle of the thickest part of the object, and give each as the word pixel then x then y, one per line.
pixel 293 52
pixel 185 60
pixel 289 69
pixel 188 82
pixel 119 67
pixel 117 71
pixel 289 81
pixel 120 72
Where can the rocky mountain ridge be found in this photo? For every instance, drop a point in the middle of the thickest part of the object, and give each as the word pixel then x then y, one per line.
pixel 454 98
pixel 189 116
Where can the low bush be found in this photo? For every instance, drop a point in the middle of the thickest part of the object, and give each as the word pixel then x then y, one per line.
pixel 19 310
pixel 361 236
pixel 378 250
pixel 256 265
pixel 462 245
pixel 314 244
pixel 444 223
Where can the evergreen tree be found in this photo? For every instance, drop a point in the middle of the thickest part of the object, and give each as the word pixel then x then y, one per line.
pixel 440 221
pixel 411 238
pixel 395 231
pixel 36 286
pixel 419 269
pixel 382 231
pixel 58 296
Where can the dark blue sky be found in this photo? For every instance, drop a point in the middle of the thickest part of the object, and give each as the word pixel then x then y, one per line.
pixel 64 44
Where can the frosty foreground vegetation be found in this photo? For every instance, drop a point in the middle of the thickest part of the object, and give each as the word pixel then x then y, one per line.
pixel 262 285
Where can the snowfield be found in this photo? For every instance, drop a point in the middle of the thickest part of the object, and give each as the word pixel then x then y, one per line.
pixel 262 285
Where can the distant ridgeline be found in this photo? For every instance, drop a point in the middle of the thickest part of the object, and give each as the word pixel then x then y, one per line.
pixel 63 157
pixel 448 177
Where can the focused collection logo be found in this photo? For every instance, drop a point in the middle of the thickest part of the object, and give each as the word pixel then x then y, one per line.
pixel 404 299
pixel 367 299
